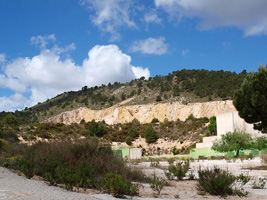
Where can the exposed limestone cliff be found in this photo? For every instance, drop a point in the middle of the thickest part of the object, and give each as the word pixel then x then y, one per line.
pixel 145 113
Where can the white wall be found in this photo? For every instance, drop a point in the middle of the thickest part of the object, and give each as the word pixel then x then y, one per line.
pixel 228 122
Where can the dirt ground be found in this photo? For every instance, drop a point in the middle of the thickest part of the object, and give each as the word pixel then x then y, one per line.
pixel 187 189
pixel 13 186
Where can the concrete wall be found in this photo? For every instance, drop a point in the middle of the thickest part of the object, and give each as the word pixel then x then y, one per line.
pixel 135 153
pixel 229 122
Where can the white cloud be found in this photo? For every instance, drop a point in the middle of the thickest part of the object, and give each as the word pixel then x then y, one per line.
pixel 110 15
pixel 139 72
pixel 2 58
pixel 155 46
pixel 152 17
pixel 12 102
pixel 43 40
pixel 48 74
pixel 250 16
pixel 185 52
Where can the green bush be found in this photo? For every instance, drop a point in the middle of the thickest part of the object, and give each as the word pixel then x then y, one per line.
pixel 180 169
pixel 220 182
pixel 154 120
pixel 117 185
pixel 158 98
pixel 128 141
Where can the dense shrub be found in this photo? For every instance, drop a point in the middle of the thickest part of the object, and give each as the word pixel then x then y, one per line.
pixel 132 132
pixel 80 164
pixel 220 182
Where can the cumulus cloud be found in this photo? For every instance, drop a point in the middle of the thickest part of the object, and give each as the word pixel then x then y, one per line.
pixel 250 16
pixel 48 74
pixel 109 15
pixel 156 46
pixel 12 102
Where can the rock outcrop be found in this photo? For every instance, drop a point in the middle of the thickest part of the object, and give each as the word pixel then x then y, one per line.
pixel 145 113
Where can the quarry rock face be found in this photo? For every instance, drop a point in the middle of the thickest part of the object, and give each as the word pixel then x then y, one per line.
pixel 145 113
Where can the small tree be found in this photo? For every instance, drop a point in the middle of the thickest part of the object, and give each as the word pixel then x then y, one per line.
pixel 132 132
pixel 235 141
pixel 150 135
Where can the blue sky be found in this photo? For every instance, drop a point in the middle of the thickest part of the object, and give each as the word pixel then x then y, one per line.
pixel 51 46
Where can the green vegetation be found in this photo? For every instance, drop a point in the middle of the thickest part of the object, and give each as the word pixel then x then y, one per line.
pixel 212 127
pixel 128 141
pixel 133 133
pixel 96 128
pixel 80 164
pixel 260 143
pixel 220 182
pixel 251 99
pixel 235 141
pixel 117 185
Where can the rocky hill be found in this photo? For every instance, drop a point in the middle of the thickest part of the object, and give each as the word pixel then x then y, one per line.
pixel 166 94
pixel 122 113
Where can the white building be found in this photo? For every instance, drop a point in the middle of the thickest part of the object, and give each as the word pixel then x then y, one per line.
pixel 228 122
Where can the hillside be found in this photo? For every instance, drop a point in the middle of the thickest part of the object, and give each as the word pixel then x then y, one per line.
pixel 185 86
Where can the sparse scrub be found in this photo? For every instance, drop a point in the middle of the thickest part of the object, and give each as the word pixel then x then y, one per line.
pixel 157 184
pixel 180 169
pixel 258 183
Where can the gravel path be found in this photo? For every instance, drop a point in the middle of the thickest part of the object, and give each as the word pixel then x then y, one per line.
pixel 13 186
